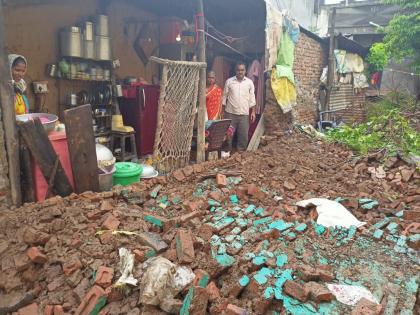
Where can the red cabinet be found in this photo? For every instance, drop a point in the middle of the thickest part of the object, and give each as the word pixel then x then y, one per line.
pixel 139 106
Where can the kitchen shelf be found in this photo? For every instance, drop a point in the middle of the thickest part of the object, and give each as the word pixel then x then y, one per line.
pixel 85 80
pixel 104 116
pixel 102 134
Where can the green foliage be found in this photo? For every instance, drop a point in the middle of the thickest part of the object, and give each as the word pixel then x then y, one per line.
pixel 403 102
pixel 390 131
pixel 402 34
pixel 378 57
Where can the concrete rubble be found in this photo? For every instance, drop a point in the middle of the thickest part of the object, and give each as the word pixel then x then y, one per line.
pixel 235 224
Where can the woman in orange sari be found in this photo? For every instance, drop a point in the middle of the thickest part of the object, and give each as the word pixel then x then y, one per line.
pixel 213 97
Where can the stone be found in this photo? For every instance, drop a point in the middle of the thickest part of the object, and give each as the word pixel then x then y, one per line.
pixel 235 310
pixel 184 247
pixel 111 223
pixel 221 180
pixel 296 290
pixel 32 236
pixel 36 256
pixel 289 185
pixel 366 307
pixel 318 293
pixel 31 309
pixel 152 240
pixel 104 276
pixel 90 300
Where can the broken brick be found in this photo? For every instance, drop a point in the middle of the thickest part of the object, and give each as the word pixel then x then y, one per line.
pixel 411 215
pixel 205 231
pixel 90 300
pixel 58 310
pixel 189 216
pixel 32 236
pixel 201 277
pixel 296 290
pixel 184 247
pixel 171 306
pixel 235 310
pixel 366 307
pixel 152 240
pixel 21 261
pixel 178 175
pixel 106 206
pixel 325 273
pixel 104 276
pixel 289 185
pixel 31 309
pixel 216 195
pixel 213 291
pixel 111 223
pixel 72 266
pixel 193 206
pixel 307 273
pixel 36 256
pixel 261 306
pixel 49 310
pixel 199 301
pixel 221 180
pixel 170 254
pixel 318 293
pixel 113 294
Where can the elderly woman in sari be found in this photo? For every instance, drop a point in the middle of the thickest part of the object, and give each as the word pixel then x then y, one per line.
pixel 213 97
pixel 18 66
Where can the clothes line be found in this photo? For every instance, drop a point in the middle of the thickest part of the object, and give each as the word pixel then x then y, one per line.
pixel 223 43
pixel 404 72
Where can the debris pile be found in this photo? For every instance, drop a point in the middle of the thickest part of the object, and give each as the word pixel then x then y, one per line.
pixel 222 237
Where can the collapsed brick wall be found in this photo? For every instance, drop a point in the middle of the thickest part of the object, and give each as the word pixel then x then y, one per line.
pixel 309 62
pixel 4 180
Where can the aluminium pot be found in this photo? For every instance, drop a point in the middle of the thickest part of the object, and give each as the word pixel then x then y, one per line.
pixel 103 48
pixel 89 49
pixel 71 43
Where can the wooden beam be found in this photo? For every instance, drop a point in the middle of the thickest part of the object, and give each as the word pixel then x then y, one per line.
pixel 37 141
pixel 9 120
pixel 331 60
pixel 201 117
pixel 82 148
pixel 256 137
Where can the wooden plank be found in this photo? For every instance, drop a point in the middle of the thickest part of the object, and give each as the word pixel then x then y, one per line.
pixel 37 141
pixel 28 191
pixel 256 137
pixel 81 142
pixel 8 118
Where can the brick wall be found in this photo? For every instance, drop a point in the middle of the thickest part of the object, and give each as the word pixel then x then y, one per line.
pixel 4 180
pixel 309 61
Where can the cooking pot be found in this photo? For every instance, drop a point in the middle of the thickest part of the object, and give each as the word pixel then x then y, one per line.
pixel 103 47
pixel 71 42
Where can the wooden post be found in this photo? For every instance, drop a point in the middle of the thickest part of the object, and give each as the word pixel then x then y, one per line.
pixel 331 60
pixel 9 120
pixel 201 117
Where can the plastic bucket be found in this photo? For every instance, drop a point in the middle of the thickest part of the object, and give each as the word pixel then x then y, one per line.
pixel 127 173
pixel 106 180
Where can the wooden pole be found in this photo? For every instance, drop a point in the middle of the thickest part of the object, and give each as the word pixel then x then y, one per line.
pixel 331 60
pixel 201 57
pixel 9 120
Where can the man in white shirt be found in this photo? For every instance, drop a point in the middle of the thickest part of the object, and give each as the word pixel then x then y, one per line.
pixel 238 99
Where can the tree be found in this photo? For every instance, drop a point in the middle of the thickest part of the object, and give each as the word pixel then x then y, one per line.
pixel 402 34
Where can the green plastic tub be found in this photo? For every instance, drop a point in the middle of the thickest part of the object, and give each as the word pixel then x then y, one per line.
pixel 127 173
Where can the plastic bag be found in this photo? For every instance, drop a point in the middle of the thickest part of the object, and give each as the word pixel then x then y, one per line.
pixel 125 266
pixel 163 280
pixel 350 294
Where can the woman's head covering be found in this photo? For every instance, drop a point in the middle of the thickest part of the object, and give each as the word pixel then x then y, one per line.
pixel 21 85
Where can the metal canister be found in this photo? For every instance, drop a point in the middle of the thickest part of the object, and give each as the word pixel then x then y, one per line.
pixel 101 25
pixel 88 30
pixel 103 48
pixel 89 49
pixel 71 42
pixel 52 70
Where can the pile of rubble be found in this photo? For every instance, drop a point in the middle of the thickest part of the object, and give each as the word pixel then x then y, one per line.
pixel 222 237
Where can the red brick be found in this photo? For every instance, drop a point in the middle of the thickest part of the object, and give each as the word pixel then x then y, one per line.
pixel 261 306
pixel 170 254
pixel 235 310
pixel 193 206
pixel 72 266
pixel 90 300
pixel 307 273
pixel 199 301
pixel 318 293
pixel 104 276
pixel 184 247
pixel 366 307
pixel 205 231
pixel 411 215
pixel 178 175
pixel 325 273
pixel 111 223
pixel 31 309
pixel 199 274
pixel 254 191
pixel 58 310
pixel 171 306
pixel 36 256
pixel 221 180
pixel 296 290
pixel 106 206
pixel 94 215
pixel 49 310
pixel 32 236
pixel 189 216
pixel 213 291
pixel 216 195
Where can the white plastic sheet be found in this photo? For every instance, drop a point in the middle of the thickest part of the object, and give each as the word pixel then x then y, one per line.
pixel 331 213
pixel 350 294
pixel 126 266
pixel 163 280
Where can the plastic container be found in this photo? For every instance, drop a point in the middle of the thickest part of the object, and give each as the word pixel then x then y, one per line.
pixel 58 140
pixel 106 180
pixel 127 173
